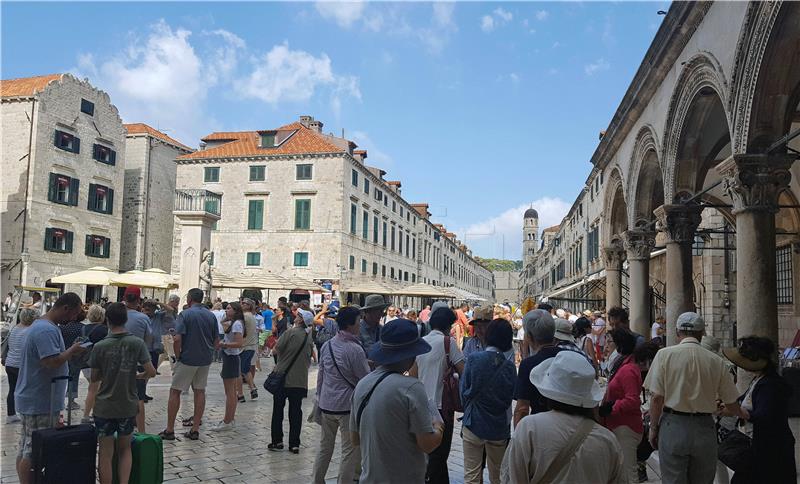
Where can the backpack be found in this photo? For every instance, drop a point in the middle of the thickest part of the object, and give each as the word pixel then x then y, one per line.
pixel 326 332
pixel 81 361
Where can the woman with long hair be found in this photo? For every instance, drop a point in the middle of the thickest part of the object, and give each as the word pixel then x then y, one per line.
pixel 231 346
pixel 12 357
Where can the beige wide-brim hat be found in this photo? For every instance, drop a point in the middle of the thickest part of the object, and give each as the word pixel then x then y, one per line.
pixel 568 378
pixel 742 362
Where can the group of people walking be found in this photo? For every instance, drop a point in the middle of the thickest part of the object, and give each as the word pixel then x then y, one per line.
pixel 394 389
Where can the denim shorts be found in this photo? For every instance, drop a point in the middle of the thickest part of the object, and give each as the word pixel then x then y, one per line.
pixel 107 427
pixel 246 357
pixel 230 366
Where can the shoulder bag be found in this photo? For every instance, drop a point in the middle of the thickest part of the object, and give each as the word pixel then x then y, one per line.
pixel 561 461
pixel 330 350
pixel 366 398
pixel 276 380
pixel 735 451
pixel 451 393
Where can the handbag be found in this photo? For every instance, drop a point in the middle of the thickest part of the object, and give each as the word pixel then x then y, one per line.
pixel 276 380
pixel 451 393
pixel 736 451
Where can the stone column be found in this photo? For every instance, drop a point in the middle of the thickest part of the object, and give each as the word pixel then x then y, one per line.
pixel 679 223
pixel 754 182
pixel 638 245
pixel 613 257
pixel 195 228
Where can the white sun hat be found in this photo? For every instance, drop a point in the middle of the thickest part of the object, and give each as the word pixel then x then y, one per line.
pixel 568 378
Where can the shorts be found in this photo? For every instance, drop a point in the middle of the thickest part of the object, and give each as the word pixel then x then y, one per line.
pixel 29 424
pixel 247 358
pixel 184 376
pixel 141 385
pixel 262 337
pixel 107 427
pixel 230 366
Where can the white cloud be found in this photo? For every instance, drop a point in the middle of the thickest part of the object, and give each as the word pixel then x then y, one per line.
pixel 375 157
pixel 502 233
pixel 498 18
pixel 345 14
pixel 514 77
pixel 443 14
pixel 596 66
pixel 285 75
pixel 542 15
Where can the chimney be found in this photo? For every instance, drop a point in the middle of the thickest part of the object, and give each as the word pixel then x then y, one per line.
pixel 360 155
pixel 315 125
pixel 395 186
pixel 306 120
pixel 422 210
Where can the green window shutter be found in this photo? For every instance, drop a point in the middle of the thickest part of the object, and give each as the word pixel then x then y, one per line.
pixel 92 205
pixel 52 190
pixel 255 214
pixel 76 145
pixel 302 214
pixel 48 239
pixel 68 240
pixel 112 160
pixel 107 248
pixel 88 249
pixel 57 139
pixel 110 201
pixel 365 225
pixel 352 262
pixel 74 186
pixel 353 217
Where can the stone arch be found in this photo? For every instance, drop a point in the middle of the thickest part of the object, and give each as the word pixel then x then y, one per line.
pixel 614 200
pixel 702 77
pixel 646 183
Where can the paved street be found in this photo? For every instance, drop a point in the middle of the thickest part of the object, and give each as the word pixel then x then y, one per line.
pixel 227 457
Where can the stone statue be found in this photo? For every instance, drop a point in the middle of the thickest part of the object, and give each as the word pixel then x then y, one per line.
pixel 205 274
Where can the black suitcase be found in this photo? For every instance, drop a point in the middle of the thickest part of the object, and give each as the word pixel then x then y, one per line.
pixel 64 455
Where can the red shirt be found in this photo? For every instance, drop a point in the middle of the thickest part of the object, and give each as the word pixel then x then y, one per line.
pixel 624 389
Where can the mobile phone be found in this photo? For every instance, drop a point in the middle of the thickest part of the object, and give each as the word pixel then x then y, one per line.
pixel 87 344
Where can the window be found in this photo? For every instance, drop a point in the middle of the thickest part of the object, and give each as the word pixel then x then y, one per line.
pixel 374 268
pixel 394 206
pixel 364 266
pixel 355 178
pixel 268 140
pixel 385 201
pixel 365 225
pixel 104 154
pixel 401 211
pixel 378 195
pixel 393 236
pixel 98 246
pixel 783 266
pixel 63 189
pixel 302 214
pixel 375 229
pixel 304 172
pixel 67 142
pixel 353 219
pixel 400 242
pixel 352 262
pixel 258 173
pixel 301 259
pixel 383 271
pixel 405 276
pixel 366 185
pixel 255 214
pixel 413 278
pixel 385 229
pixel 211 174
pixel 87 107
pixel 57 240
pixel 392 273
pixel 101 199
pixel 253 259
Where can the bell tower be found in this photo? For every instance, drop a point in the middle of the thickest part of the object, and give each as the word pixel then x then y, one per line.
pixel 530 234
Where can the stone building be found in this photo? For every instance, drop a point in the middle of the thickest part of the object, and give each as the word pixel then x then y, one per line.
pixel 692 199
pixel 507 286
pixel 150 172
pixel 296 201
pixel 63 160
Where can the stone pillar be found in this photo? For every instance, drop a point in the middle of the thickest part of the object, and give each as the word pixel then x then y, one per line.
pixel 195 227
pixel 679 223
pixel 638 245
pixel 754 182
pixel 613 257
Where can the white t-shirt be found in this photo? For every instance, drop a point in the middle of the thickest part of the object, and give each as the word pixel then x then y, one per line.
pixel 431 365
pixel 238 327
pixel 654 330
pixel 220 315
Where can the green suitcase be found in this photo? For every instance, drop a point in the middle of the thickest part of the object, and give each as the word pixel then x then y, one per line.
pixel 148 460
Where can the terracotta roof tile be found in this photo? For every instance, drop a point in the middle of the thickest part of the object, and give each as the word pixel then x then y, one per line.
pixel 245 143
pixel 26 86
pixel 141 128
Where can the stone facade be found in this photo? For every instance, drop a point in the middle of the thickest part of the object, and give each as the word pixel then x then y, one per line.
pixel 36 114
pixel 507 286
pixel 150 174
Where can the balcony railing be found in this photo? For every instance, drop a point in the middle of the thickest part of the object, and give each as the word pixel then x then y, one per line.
pixel 198 201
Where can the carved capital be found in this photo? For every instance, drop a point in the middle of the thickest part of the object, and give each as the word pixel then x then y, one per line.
pixel 613 256
pixel 639 243
pixel 679 222
pixel 754 181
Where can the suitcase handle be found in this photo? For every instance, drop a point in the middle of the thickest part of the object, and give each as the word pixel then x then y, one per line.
pixel 53 398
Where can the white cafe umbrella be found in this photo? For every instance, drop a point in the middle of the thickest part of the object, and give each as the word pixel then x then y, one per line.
pixel 94 276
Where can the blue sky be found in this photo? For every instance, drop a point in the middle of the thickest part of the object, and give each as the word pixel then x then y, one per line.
pixel 480 109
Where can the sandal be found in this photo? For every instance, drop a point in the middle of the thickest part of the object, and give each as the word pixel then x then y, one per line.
pixel 189 422
pixel 294 450
pixel 241 399
pixel 192 435
pixel 274 447
pixel 166 435
pixel 253 394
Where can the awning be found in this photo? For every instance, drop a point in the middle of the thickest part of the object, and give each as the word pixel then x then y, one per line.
pixel 423 290
pixel 565 289
pixel 367 287
pixel 264 280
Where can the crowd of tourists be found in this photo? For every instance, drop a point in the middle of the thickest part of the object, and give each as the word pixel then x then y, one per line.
pixel 542 395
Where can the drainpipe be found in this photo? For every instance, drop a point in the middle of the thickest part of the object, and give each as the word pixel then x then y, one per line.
pixel 27 188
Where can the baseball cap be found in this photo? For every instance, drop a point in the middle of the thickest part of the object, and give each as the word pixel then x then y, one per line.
pixel 132 291
pixel 483 313
pixel 690 322
pixel 308 316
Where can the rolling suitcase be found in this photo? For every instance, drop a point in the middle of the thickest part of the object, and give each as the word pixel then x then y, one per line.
pixel 64 455
pixel 148 460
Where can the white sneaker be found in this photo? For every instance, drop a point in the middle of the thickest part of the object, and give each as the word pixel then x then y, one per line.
pixel 222 426
pixel 11 419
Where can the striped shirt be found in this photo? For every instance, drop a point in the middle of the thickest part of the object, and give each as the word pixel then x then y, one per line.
pixel 16 344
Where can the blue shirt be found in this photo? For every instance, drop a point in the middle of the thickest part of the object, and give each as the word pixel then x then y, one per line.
pixel 32 396
pixel 486 389
pixel 198 329
pixel 474 344
pixel 138 324
pixel 369 335
pixel 268 314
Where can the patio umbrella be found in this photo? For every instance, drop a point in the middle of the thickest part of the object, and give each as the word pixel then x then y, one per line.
pixel 423 290
pixel 266 280
pixel 369 287
pixel 301 283
pixel 153 278
pixel 94 276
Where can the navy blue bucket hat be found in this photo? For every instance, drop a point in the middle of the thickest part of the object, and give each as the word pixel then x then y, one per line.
pixel 399 341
